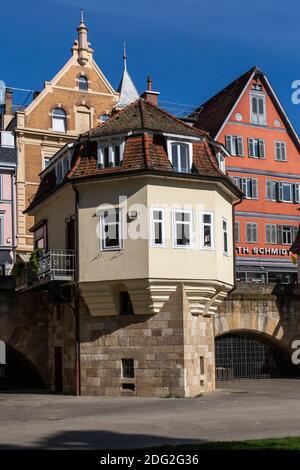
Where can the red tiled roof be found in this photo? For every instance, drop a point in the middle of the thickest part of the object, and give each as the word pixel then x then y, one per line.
pixel 145 148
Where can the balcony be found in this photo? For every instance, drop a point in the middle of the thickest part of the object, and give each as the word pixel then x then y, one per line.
pixel 54 266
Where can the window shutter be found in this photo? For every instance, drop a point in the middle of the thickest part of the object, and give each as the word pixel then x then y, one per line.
pixel 295 231
pixel 280 191
pixel 283 151
pixel 251 147
pixel 254 104
pixel 248 233
pixel 297 192
pixel 254 189
pixel 278 154
pixel 255 237
pixel 261 107
pixel 273 234
pixel 280 234
pixel 228 143
pixel 240 145
pixel 269 190
pixel 268 234
pixel 243 185
pixel 262 148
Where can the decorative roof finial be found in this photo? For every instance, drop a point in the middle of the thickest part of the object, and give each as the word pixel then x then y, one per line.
pixel 81 16
pixel 125 57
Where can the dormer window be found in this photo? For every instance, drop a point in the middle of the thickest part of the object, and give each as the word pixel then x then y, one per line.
pixel 110 154
pixel 180 155
pixel 83 83
pixel 221 161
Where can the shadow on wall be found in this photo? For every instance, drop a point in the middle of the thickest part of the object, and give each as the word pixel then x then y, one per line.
pixel 103 440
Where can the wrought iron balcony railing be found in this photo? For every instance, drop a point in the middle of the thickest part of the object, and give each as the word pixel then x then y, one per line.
pixel 54 265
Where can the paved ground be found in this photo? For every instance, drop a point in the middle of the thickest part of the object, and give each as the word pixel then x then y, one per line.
pixel 264 408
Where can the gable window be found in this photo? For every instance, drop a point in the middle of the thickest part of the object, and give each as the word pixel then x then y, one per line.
pixel 59 120
pixel 83 83
pixel 207 230
pixel 286 234
pixel 271 190
pixel 280 151
pixel 111 230
pixel 256 148
pixel 249 186
pixel 258 109
pixel 235 145
pixel 182 235
pixel 157 228
pixel 110 155
pixel 181 157
pixel 271 233
pixel 236 231
pixel 125 304
pixel 251 232
pixel 225 236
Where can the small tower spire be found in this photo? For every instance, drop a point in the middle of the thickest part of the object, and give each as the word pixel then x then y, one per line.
pixel 127 90
pixel 84 48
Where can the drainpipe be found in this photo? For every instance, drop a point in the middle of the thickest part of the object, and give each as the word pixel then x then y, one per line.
pixel 234 249
pixel 76 297
pixel 13 234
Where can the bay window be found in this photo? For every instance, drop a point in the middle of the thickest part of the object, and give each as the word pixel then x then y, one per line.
pixel 111 229
pixel 207 230
pixel 182 235
pixel 157 228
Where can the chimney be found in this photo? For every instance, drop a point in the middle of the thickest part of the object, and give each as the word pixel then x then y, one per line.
pixel 8 107
pixel 149 94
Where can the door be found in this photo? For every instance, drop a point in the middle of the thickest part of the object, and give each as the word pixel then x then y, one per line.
pixel 58 369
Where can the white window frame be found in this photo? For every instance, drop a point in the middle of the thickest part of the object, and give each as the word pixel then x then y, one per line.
pixel 253 224
pixel 152 227
pixel 256 142
pixel 59 118
pixel 274 187
pixel 170 143
pixel 190 223
pixel 212 230
pixel 244 185
pixel 280 142
pixel 253 121
pixel 221 162
pixel 272 228
pixel 225 232
pixel 121 232
pixel 86 81
pixel 281 196
pixel 238 225
pixel 234 141
pixel 111 157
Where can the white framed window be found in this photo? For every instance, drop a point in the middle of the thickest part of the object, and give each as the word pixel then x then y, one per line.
pixel 1 230
pixel 286 234
pixel 182 228
pixel 181 156
pixel 111 230
pixel 110 154
pixel 46 162
pixel 225 236
pixel 7 139
pixel 258 109
pixel 221 162
pixel 250 187
pixel 271 233
pixel 237 235
pixel 59 120
pixel 251 232
pixel 207 231
pixel 297 192
pixel 157 227
pixel 83 83
pixel 280 151
pixel 256 148
pixel 271 190
pixel 235 145
pixel 285 191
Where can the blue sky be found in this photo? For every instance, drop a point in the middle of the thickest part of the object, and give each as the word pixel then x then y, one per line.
pixel 192 48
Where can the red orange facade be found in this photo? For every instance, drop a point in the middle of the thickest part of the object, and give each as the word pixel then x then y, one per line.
pixel 264 162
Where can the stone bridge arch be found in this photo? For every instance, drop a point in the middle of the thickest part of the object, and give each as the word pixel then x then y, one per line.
pixel 269 309
pixel 24 330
